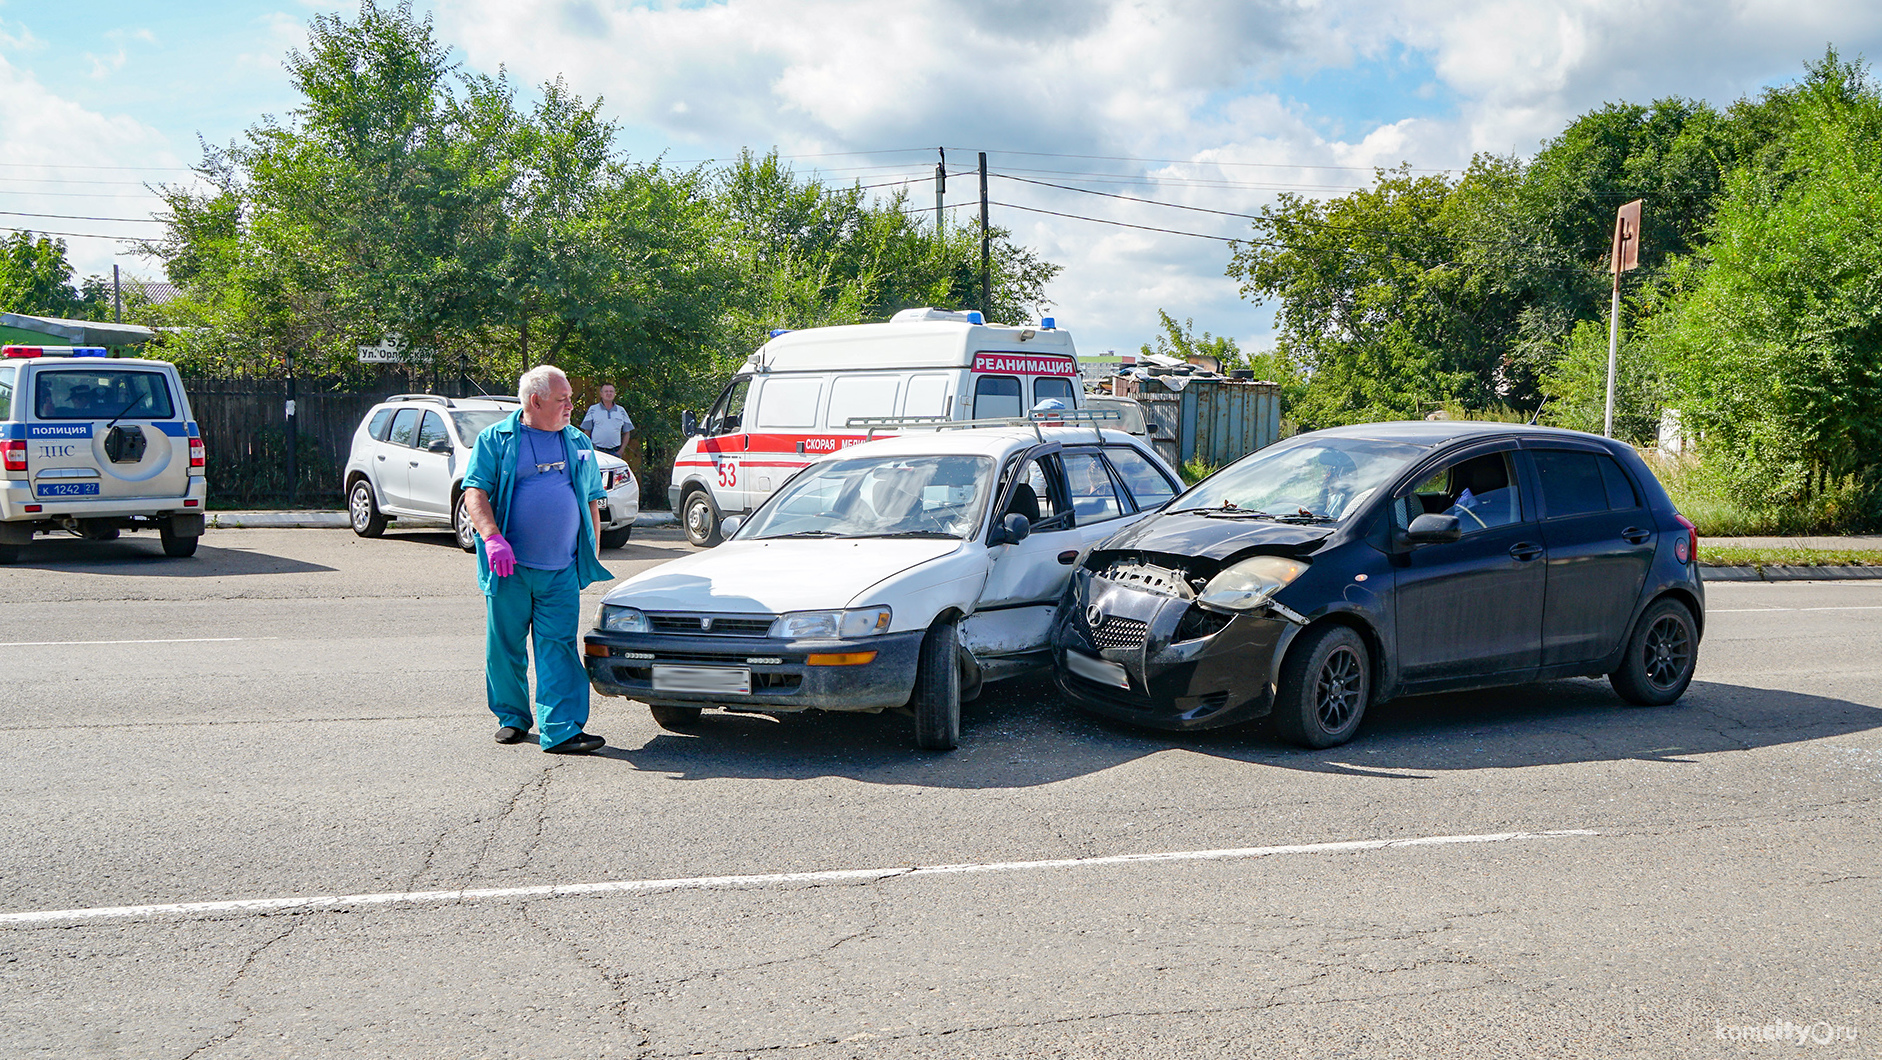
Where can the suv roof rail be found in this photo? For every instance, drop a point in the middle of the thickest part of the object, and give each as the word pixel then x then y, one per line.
pixel 439 398
pixel 1052 418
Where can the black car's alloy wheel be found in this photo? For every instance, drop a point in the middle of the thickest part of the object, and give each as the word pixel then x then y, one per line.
pixel 1661 656
pixel 1324 687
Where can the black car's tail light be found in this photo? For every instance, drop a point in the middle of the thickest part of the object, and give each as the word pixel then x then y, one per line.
pixel 1686 548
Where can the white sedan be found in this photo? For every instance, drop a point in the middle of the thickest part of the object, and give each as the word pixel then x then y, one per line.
pixel 906 571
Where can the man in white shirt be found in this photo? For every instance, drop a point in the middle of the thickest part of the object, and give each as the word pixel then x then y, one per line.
pixel 607 424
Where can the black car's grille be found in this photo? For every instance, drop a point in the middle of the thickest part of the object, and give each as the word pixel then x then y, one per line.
pixel 1113 631
pixel 710 625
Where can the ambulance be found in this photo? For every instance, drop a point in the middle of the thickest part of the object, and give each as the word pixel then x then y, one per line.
pixel 811 392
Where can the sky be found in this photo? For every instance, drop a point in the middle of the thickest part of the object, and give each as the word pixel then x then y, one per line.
pixel 1206 104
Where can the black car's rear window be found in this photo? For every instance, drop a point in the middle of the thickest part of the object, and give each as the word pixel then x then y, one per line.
pixel 1577 483
pixel 104 394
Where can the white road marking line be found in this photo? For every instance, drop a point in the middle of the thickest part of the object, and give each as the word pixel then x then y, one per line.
pixel 1754 610
pixel 77 643
pixel 710 883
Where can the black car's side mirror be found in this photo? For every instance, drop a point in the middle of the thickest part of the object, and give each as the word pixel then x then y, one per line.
pixel 689 423
pixel 1009 531
pixel 1433 529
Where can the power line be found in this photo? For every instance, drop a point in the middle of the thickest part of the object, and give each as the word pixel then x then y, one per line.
pixel 1119 224
pixel 1323 225
pixel 74 165
pixel 72 235
pixel 1195 162
pixel 80 217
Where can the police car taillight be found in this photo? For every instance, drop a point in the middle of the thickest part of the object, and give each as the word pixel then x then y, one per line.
pixel 15 454
pixel 196 452
pixel 22 351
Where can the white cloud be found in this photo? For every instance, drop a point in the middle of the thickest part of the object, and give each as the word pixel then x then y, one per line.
pixel 47 135
pixel 1183 79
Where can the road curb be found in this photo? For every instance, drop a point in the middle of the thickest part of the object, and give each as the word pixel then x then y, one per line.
pixel 339 520
pixel 1775 573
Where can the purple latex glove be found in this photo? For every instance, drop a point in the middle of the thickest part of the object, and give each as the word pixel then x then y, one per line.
pixel 501 556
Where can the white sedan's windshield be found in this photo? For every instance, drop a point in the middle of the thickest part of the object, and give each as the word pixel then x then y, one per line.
pixel 905 496
pixel 1321 478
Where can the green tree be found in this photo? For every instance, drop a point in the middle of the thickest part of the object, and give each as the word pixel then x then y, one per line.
pixel 1373 307
pixel 36 279
pixel 1776 350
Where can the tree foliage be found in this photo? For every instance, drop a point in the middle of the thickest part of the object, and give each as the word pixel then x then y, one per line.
pixel 406 198
pixel 36 280
pixel 1757 309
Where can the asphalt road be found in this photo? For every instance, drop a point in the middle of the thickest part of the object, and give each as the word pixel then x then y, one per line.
pixel 299 713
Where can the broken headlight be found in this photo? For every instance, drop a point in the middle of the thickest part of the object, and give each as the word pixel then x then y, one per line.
pixel 1248 584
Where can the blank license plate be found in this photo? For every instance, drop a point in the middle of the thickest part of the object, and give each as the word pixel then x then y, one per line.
pixel 1103 671
pixel 734 680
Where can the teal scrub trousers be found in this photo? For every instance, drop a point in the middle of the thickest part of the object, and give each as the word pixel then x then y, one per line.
pixel 545 604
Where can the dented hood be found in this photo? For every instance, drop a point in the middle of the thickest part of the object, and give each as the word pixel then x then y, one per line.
pixel 1217 539
pixel 776 576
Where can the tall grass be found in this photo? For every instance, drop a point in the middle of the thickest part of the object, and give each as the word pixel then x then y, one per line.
pixel 1716 501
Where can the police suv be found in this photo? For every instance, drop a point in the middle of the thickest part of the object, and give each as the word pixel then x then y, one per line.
pixel 95 445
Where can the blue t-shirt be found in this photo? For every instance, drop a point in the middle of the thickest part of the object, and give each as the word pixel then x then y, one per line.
pixel 544 513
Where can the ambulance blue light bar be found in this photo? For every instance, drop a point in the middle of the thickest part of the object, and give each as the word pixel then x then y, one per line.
pixel 974 317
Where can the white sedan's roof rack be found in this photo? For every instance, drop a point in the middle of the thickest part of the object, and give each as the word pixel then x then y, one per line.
pixel 1035 420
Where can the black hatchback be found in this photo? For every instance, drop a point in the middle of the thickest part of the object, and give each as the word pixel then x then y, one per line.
pixel 1341 568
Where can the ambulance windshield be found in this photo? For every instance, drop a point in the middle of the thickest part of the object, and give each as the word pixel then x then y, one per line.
pixel 902 496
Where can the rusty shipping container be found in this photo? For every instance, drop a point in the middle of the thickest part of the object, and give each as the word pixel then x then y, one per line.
pixel 1211 418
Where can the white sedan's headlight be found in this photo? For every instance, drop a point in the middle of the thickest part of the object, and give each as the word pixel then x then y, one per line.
pixel 1248 584
pixel 617 619
pixel 832 625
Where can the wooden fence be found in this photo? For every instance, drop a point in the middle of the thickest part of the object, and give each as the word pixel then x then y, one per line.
pixel 244 429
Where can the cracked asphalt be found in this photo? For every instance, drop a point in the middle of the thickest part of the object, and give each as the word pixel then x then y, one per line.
pixel 314 725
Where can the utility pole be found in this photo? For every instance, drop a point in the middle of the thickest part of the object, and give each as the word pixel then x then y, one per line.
pixel 986 252
pixel 117 298
pixel 940 189
pixel 1625 258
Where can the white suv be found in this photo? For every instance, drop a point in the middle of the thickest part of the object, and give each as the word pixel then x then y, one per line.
pixel 95 445
pixel 408 461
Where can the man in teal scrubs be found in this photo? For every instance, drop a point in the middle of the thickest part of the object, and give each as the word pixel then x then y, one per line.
pixel 533 492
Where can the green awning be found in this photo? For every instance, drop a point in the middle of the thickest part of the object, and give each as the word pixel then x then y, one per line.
pixel 59 332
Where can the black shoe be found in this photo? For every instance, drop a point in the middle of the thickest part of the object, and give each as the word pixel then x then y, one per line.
pixel 512 734
pixel 579 744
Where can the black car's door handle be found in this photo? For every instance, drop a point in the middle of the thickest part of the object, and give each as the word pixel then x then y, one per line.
pixel 1524 551
pixel 1635 535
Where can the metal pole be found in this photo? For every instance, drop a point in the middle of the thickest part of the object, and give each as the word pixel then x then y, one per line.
pixel 1614 345
pixel 986 253
pixel 940 188
pixel 117 298
pixel 293 431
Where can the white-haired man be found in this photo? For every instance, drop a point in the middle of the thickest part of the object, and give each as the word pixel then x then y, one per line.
pixel 532 491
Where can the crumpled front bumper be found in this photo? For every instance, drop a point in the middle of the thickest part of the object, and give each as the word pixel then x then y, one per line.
pixel 782 678
pixel 1208 681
